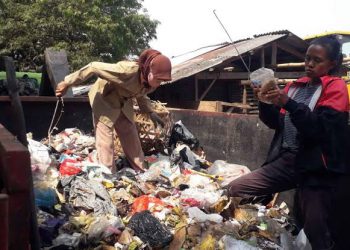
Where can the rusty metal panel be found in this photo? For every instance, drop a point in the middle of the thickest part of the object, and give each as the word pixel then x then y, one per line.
pixel 4 224
pixel 220 55
pixel 14 164
pixel 15 176
pixel 19 221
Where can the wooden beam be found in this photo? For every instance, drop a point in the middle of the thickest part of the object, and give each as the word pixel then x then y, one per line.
pixel 291 65
pixel 196 88
pixel 279 81
pixel 291 50
pixel 207 90
pixel 262 58
pixel 244 75
pixel 274 55
pixel 302 64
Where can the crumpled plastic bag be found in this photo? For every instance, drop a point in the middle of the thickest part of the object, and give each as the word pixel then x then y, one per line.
pixel 146 202
pixel 91 195
pixel 205 197
pixel 265 78
pixel 104 227
pixel 183 154
pixel 228 171
pixel 67 240
pixel 150 230
pixel 234 244
pixel 45 197
pixel 179 133
pixel 302 242
pixel 199 216
pixel 39 156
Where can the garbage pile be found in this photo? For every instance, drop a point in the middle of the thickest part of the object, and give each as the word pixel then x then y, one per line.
pixel 26 86
pixel 177 203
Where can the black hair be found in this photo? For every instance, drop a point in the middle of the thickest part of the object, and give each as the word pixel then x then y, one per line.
pixel 334 51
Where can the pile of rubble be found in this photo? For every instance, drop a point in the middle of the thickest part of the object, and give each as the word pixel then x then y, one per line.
pixel 177 203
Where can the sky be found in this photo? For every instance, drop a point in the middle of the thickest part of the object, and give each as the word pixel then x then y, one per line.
pixel 190 24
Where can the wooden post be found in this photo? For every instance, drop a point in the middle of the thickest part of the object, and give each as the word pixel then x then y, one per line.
pixel 262 57
pixel 244 99
pixel 17 111
pixel 274 55
pixel 196 88
pixel 207 90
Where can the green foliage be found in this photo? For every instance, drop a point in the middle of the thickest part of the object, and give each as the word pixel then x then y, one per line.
pixel 103 30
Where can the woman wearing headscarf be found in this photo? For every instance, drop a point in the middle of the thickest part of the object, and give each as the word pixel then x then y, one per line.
pixel 111 101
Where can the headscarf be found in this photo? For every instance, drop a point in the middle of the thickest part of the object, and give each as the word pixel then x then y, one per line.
pixel 161 65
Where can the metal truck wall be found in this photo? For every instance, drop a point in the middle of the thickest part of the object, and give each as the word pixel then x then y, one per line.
pixel 236 138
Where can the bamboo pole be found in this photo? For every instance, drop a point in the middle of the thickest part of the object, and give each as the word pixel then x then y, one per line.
pixel 302 64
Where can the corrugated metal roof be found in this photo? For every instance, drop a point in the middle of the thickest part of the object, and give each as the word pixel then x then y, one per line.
pixel 222 54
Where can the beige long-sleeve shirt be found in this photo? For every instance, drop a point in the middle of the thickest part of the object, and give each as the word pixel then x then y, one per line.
pixel 112 93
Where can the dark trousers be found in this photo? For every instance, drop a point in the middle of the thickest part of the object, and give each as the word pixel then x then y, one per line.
pixel 316 204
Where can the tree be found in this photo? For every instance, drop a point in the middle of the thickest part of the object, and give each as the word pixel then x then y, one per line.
pixel 104 30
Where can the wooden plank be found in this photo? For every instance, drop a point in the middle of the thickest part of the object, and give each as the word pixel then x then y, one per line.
pixel 207 90
pixel 210 106
pixel 290 50
pixel 57 67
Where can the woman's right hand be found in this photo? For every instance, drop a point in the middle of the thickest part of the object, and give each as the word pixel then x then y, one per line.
pixel 61 89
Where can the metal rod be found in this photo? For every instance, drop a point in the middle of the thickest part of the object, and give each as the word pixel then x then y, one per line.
pixel 239 54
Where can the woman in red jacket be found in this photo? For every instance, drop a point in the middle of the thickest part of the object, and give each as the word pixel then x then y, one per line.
pixel 308 151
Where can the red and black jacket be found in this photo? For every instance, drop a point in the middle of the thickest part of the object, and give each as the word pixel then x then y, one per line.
pixel 322 132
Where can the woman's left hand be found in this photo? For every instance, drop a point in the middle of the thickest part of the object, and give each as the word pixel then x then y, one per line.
pixel 277 96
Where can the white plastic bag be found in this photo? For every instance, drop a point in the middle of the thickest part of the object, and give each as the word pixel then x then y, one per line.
pixel 233 244
pixel 301 242
pixel 228 171
pixel 39 156
pixel 205 197
pixel 199 216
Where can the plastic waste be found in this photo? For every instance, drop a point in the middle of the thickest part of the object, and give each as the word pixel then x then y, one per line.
pixel 198 215
pixel 150 230
pixel 45 197
pixel 70 167
pixel 227 171
pixel 146 202
pixel 39 156
pixel 182 154
pixel 179 133
pixel 48 227
pixel 205 197
pixel 302 242
pixel 264 78
pixel 104 227
pixel 233 244
pixel 67 240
